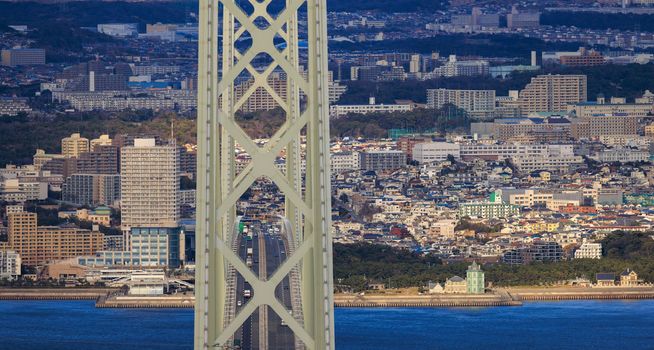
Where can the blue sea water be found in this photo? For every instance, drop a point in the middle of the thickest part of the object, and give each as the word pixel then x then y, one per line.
pixel 597 325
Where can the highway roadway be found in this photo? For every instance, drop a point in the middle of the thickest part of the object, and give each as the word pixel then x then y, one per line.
pixel 268 253
pixel 279 336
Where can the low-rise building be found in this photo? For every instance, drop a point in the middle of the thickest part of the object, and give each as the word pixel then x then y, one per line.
pixel 621 155
pixel 338 111
pixel 456 285
pixel 435 151
pixel 605 279
pixel 628 278
pixel 150 247
pixel 13 106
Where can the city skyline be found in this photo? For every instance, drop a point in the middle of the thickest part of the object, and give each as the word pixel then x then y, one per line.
pixel 327 175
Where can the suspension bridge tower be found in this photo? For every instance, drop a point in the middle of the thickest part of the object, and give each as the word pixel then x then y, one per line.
pixel 252 51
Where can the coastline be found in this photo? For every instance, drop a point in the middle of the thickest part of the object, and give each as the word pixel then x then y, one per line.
pixel 498 297
pixel 112 298
pixel 54 293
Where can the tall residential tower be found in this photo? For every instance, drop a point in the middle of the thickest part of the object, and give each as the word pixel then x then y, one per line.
pixel 149 185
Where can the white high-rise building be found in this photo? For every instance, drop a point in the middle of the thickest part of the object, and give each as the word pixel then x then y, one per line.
pixel 149 185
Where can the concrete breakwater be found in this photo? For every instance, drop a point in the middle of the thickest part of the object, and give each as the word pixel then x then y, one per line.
pixel 498 297
pixel 461 300
pixel 607 293
pixel 145 302
pixel 53 293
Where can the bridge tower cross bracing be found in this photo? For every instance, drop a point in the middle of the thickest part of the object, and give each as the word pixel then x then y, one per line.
pixel 273 30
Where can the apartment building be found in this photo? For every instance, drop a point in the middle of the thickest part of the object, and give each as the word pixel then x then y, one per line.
pixel 589 251
pixel 517 19
pixel 23 57
pixel 550 129
pixel 344 161
pixel 553 163
pixel 182 100
pixel 21 190
pixel 381 160
pixel 552 93
pixel 38 245
pixel 92 189
pixel 456 68
pixel 539 251
pixel 488 210
pixel 103 159
pixel 103 140
pixel 476 102
pixel 149 185
pixel 74 145
pixel 596 126
pixel 583 58
pixel 600 108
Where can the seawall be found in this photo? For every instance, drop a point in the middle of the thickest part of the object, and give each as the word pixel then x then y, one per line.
pixel 53 293
pixel 462 300
pixel 145 302
pixel 596 293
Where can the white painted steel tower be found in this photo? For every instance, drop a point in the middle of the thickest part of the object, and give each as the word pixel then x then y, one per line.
pixel 247 41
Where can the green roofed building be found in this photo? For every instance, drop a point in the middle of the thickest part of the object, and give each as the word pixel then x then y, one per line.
pixel 475 279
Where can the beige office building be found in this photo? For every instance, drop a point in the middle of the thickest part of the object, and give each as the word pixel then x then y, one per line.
pixel 149 185
pixel 552 93
pixel 74 145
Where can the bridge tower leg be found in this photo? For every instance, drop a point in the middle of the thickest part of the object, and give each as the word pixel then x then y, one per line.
pixel 233 35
